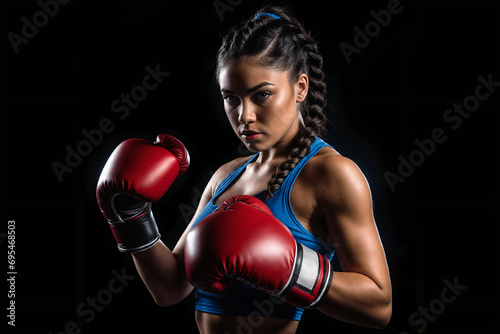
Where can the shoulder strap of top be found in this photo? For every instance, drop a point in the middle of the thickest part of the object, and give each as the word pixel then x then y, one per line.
pixel 317 145
pixel 231 177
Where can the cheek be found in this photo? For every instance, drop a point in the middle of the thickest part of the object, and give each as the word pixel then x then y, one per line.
pixel 232 116
pixel 284 110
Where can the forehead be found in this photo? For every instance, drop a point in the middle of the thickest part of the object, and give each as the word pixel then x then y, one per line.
pixel 244 74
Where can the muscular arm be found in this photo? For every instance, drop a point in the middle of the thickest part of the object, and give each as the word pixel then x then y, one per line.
pixel 161 273
pixel 161 269
pixel 361 294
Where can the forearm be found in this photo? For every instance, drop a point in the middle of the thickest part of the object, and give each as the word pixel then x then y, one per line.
pixel 162 275
pixel 357 299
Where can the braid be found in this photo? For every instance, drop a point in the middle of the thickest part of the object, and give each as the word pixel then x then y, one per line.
pixel 311 110
pixel 283 44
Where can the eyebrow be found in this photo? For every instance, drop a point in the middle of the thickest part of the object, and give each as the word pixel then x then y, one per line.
pixel 251 90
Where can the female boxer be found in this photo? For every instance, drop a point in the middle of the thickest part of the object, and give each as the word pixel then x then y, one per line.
pixel 270 75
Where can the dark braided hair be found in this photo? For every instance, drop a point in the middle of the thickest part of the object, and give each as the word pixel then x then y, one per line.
pixel 285 45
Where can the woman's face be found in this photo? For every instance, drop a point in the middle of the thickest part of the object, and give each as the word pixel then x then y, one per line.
pixel 261 104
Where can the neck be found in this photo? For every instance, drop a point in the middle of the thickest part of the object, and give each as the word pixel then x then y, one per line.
pixel 280 151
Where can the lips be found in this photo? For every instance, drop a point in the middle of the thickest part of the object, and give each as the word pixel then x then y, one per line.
pixel 250 135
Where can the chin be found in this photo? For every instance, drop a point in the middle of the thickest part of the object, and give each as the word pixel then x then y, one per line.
pixel 255 147
pixel 252 148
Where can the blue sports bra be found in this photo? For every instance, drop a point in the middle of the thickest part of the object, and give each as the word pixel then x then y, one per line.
pixel 243 300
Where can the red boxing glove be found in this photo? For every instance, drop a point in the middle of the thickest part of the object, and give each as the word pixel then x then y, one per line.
pixel 136 174
pixel 242 240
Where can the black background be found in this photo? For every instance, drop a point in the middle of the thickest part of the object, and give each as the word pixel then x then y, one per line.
pixel 441 224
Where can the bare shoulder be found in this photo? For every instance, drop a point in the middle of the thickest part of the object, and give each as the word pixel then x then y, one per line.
pixel 336 178
pixel 224 170
pixel 219 175
pixel 329 165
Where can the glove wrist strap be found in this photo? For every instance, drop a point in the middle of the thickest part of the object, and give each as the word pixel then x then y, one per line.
pixel 310 279
pixel 136 234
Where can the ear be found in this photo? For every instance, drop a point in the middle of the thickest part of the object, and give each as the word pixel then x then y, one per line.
pixel 302 87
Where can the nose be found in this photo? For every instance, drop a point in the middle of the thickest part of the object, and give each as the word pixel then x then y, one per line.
pixel 246 114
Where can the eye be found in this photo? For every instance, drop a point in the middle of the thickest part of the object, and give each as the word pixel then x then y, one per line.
pixel 262 96
pixel 231 99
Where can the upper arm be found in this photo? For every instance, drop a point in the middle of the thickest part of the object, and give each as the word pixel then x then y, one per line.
pixel 345 201
pixel 206 196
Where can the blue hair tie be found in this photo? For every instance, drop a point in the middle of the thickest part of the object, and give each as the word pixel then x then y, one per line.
pixel 276 17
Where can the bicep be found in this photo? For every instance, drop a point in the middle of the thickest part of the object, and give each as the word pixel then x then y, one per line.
pixel 351 225
pixel 205 198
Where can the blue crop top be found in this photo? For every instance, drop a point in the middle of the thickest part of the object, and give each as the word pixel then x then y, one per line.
pixel 243 300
